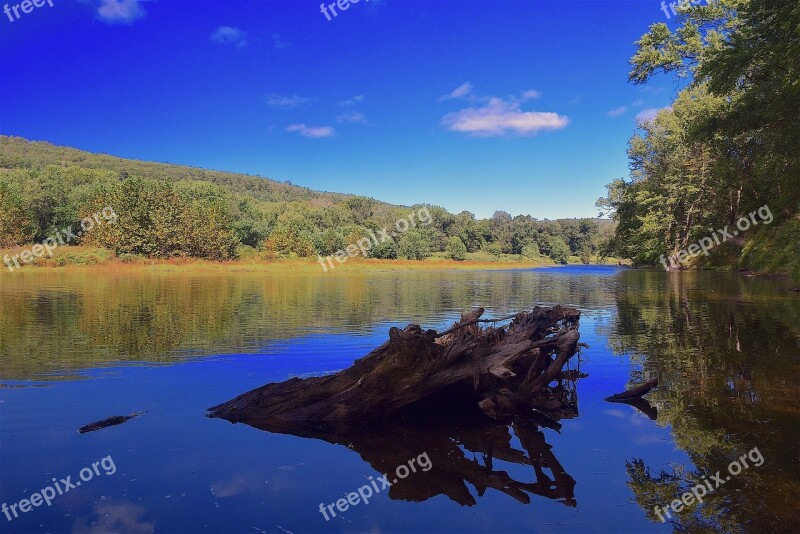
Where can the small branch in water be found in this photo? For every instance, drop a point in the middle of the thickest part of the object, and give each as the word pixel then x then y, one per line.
pixel 634 393
pixel 110 421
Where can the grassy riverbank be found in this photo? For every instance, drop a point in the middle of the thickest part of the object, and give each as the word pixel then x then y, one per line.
pixel 74 258
pixel 768 250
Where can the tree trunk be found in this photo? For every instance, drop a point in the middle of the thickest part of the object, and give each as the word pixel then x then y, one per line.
pixel 502 371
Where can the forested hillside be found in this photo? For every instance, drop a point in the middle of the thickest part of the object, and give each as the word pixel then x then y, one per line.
pixel 728 146
pixel 177 211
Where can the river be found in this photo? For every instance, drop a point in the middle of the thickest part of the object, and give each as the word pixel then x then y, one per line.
pixel 76 347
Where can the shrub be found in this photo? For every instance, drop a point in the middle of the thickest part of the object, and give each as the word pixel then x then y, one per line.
pixel 414 245
pixel 493 248
pixel 384 251
pixel 456 248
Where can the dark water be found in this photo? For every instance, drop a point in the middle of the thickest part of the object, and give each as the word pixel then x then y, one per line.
pixel 75 348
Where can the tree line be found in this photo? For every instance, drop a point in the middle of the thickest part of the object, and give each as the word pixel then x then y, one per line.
pixel 167 211
pixel 728 144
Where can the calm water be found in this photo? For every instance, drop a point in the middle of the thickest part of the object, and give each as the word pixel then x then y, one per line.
pixel 75 348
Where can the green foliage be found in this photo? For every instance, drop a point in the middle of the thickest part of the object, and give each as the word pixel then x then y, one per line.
pixel 727 145
pixel 414 245
pixel 15 226
pixel 157 219
pixel 456 249
pixel 170 206
pixel 493 248
pixel 531 251
pixel 775 250
pixel 288 242
pixel 78 256
pixel 387 250
pixel 555 248
pixel 329 241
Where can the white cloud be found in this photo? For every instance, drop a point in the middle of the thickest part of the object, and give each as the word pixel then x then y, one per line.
pixel 500 117
pixel 353 116
pixel 285 101
pixel 229 35
pixel 315 132
pixel 647 115
pixel 637 103
pixel 462 91
pixel 530 94
pixel 350 102
pixel 120 11
pixel 616 112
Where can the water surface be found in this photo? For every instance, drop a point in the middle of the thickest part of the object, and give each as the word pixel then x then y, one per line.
pixel 78 347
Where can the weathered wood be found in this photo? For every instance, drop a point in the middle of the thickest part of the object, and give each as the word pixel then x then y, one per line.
pixel 634 393
pixel 504 371
pixel 109 421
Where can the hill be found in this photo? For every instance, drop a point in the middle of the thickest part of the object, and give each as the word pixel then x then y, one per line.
pixel 167 210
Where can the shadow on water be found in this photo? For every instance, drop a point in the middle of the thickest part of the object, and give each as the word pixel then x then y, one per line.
pixel 460 443
pixel 460 454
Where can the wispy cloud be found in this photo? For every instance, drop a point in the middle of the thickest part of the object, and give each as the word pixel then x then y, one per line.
pixel 229 35
pixel 314 132
pixel 617 112
pixel 120 11
pixel 353 116
pixel 350 102
pixel 530 94
pixel 287 102
pixel 647 115
pixel 500 117
pixel 466 92
pixel 462 91
pixel 278 43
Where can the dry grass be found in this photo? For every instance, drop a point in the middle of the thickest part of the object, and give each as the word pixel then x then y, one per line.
pixel 78 258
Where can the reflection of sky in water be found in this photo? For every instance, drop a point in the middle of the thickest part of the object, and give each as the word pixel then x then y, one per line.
pixel 178 471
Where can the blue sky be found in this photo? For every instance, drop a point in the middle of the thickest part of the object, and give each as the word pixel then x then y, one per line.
pixel 521 106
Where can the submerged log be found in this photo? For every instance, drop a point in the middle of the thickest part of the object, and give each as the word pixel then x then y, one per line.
pixel 634 393
pixel 109 421
pixel 503 371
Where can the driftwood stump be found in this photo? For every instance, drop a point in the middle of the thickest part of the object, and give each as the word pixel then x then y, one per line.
pixel 502 371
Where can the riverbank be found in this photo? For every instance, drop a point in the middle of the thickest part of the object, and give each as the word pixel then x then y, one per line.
pixel 79 258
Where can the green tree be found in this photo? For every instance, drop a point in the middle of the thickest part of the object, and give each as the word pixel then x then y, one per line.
pixel 725 147
pixel 15 225
pixel 555 248
pixel 456 248
pixel 414 245
pixel 154 219
pixel 387 250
